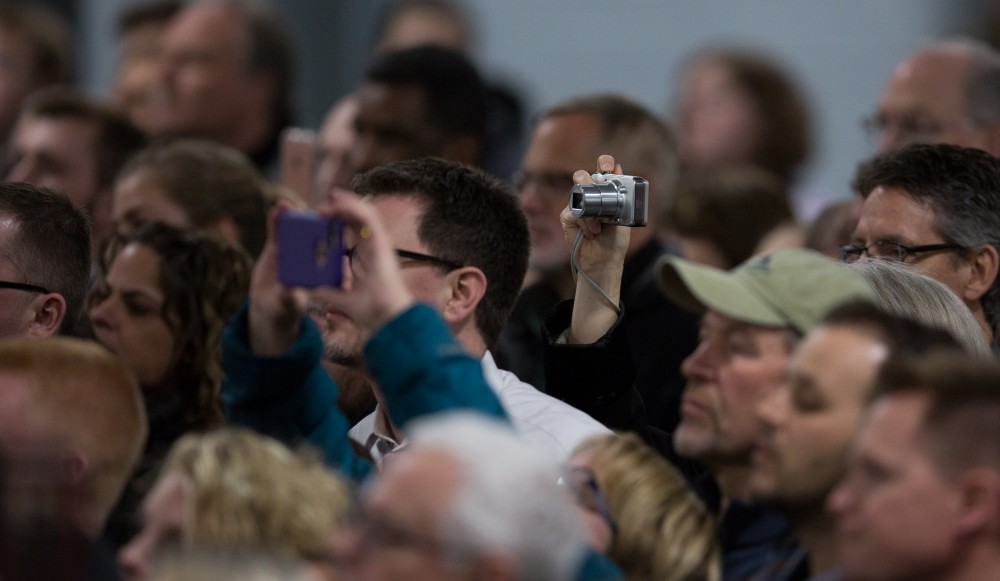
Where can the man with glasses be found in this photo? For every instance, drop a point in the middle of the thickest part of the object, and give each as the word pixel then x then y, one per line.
pixel 936 207
pixel 948 92
pixel 462 245
pixel 44 262
pixel 567 137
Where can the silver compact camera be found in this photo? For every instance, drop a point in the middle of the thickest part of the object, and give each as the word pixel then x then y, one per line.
pixel 612 198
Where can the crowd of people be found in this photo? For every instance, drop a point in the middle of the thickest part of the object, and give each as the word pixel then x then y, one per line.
pixel 497 387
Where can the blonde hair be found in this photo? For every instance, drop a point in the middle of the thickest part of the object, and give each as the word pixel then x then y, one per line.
pixel 80 396
pixel 248 490
pixel 665 533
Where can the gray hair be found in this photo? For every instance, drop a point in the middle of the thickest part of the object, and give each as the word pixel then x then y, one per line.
pixel 901 290
pixel 509 500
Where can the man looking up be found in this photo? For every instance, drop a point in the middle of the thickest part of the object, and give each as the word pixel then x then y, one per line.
pixel 920 500
pixel 948 92
pixel 937 208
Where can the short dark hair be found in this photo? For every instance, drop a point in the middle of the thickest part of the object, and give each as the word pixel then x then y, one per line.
pixel 470 218
pixel 50 38
pixel 117 137
pixel 455 93
pixel 209 182
pixel 636 137
pixel 786 139
pixel 960 185
pixel 734 208
pixel 51 248
pixel 962 423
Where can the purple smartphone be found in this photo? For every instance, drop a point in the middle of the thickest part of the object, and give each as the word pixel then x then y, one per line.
pixel 310 250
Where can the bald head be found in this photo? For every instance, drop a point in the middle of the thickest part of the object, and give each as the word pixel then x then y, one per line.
pixel 948 92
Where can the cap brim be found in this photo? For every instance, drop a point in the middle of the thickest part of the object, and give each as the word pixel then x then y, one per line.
pixel 699 288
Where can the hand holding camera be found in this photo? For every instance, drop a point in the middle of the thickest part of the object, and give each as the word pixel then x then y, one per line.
pixel 597 222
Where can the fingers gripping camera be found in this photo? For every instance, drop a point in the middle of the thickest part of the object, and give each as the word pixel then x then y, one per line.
pixel 612 198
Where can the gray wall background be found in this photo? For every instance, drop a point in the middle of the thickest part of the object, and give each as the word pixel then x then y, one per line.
pixel 841 51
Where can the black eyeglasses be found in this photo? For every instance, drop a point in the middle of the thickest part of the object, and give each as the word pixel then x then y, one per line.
pixel 22 286
pixel 890 250
pixel 352 254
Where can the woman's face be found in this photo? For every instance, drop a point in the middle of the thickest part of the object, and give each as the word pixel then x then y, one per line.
pixel 162 527
pixel 127 315
pixel 717 122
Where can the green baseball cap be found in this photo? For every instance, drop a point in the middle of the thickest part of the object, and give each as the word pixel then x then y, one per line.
pixel 788 288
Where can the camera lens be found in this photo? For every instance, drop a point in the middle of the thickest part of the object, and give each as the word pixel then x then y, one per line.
pixel 596 201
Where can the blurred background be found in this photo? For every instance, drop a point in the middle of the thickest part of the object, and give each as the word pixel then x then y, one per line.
pixel 840 52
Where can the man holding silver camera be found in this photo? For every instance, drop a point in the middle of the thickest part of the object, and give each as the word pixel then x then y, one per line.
pixel 567 137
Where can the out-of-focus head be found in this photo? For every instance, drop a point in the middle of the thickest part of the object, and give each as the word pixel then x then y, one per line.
pixel 739 107
pixel 921 492
pixel 721 216
pixel 569 136
pixel 73 402
pixel 466 217
pixel 194 184
pixel 944 93
pixel 335 141
pixel 467 500
pixel 140 38
pixel 73 144
pixel 410 23
pixel 903 291
pixel 36 45
pixel 234 489
pixel 833 227
pixel 227 564
pixel 44 244
pixel 755 315
pixel 417 102
pixel 663 531
pixel 227 70
pixel 936 207
pixel 811 420
pixel 163 297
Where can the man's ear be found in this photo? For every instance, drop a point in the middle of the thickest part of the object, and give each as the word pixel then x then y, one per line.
pixel 48 310
pixel 980 501
pixel 467 287
pixel 984 266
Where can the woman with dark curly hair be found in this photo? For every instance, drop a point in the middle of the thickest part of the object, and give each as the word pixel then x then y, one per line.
pixel 161 301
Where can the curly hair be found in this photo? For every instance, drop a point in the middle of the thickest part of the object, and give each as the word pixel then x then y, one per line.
pixel 248 490
pixel 664 532
pixel 204 280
